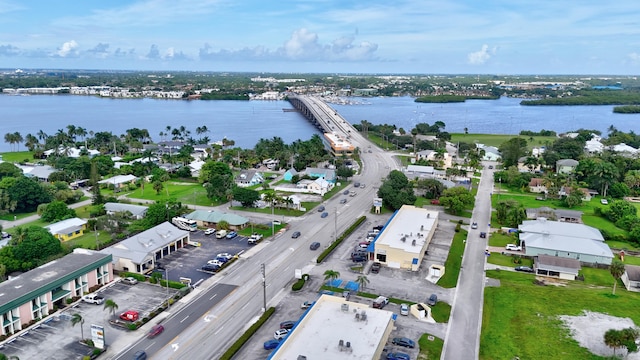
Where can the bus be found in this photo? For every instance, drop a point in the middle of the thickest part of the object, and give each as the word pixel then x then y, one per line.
pixel 184 223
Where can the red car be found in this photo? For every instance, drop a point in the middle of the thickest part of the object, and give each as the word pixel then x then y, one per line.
pixel 129 315
pixel 155 331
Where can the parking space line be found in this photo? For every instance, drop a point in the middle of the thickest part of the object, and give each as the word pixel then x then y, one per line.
pixel 214 295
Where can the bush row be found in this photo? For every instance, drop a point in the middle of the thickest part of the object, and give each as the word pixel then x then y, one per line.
pixel 297 286
pixel 339 240
pixel 238 344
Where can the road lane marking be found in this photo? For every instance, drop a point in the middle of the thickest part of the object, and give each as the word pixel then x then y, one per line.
pixel 214 295
pixel 185 318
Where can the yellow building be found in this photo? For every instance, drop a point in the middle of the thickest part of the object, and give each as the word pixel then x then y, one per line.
pixel 404 240
pixel 68 229
pixel 338 146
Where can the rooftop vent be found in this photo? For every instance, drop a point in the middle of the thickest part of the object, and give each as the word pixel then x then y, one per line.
pixel 413 243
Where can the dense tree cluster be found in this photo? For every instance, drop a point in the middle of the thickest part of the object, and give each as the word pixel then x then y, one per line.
pixel 29 247
pixel 396 190
pixel 456 199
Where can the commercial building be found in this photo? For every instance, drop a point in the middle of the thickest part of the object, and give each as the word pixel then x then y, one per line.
pixel 337 145
pixel 33 295
pixel 140 253
pixel 405 238
pixel 334 328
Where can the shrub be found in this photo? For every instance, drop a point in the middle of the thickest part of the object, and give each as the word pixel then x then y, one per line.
pixel 297 286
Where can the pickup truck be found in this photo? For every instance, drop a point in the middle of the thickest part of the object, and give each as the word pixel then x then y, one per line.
pixel 254 239
pixel 93 299
pixel 380 302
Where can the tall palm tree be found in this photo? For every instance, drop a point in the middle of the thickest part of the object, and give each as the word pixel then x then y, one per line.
pixel 617 269
pixel 10 357
pixel 362 281
pixel 331 275
pixel 77 319
pixel 111 306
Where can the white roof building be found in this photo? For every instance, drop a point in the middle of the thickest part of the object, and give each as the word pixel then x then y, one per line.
pixel 330 325
pixel 66 226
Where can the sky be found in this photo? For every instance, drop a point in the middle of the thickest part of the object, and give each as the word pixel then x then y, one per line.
pixel 324 36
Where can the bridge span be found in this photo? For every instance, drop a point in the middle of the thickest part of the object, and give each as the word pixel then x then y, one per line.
pixel 321 115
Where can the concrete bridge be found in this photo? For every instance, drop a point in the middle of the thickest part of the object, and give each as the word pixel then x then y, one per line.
pixel 321 115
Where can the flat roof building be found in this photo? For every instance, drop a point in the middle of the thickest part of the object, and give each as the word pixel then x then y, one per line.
pixel 334 328
pixel 405 238
pixel 338 146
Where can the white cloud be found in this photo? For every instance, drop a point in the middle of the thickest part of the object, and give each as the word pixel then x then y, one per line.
pixel 302 45
pixel 634 57
pixel 68 48
pixel 480 57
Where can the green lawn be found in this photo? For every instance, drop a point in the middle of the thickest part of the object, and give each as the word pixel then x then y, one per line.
pixel 430 347
pixel 11 217
pixel 185 193
pixel 496 140
pixel 507 260
pixel 441 312
pixel 621 245
pixel 88 240
pixel 17 156
pixel 454 260
pixel 518 308
pixel 501 240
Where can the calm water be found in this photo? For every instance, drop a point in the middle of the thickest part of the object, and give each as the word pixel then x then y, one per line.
pixel 247 122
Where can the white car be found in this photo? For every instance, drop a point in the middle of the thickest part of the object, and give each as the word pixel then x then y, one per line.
pixel 404 309
pixel 210 231
pixel 604 201
pixel 513 247
pixel 280 334
pixel 225 256
pixel 215 262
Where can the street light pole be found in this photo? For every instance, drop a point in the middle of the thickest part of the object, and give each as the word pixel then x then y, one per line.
pixel 264 286
pixel 335 224
pixel 166 275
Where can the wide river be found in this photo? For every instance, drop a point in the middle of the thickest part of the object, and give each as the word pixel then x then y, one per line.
pixel 246 122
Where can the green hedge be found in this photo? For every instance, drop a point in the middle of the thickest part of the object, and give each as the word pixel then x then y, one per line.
pixel 339 240
pixel 297 286
pixel 236 346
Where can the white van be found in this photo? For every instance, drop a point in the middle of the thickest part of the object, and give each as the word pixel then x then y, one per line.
pixel 221 234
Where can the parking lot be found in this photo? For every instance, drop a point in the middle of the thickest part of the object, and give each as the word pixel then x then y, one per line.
pixel 401 284
pixel 186 263
pixel 58 339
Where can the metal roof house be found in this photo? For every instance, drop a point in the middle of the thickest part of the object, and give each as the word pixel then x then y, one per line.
pixel 141 252
pixel 68 229
pixel 631 277
pixel 557 267
pixel 33 294
pixel 562 239
pixel 137 211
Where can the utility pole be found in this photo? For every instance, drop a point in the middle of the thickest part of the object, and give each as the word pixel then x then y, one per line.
pixel 166 274
pixel 264 287
pixel 335 224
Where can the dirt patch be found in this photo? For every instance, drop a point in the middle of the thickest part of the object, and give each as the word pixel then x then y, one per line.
pixel 588 330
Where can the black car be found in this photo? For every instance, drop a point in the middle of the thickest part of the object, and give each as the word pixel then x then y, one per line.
pixel 524 269
pixel 210 267
pixel 287 324
pixel 321 208
pixel 314 245
pixel 433 299
pixel 358 258
pixel 346 192
pixel 375 268
pixel 483 235
pixel 295 235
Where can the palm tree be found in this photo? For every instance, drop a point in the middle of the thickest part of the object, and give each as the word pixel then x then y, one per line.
pixel 11 357
pixel 331 275
pixel 613 339
pixel 617 269
pixel 77 319
pixel 362 281
pixel 111 306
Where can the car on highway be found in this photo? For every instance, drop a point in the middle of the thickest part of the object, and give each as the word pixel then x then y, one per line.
pixel 474 225
pixel 210 231
pixel 232 234
pixel 321 208
pixel 210 267
pixel 280 334
pixel 362 186
pixel 295 235
pixel 129 315
pixel 343 201
pixel 432 300
pixel 490 166
pixel 155 331
pixel 513 247
pixel 356 184
pixel 289 324
pixel 524 269
pixel 403 341
pixel 324 215
pixel 398 356
pixel 346 192
pixel 129 280
pixel 140 355
pixel 314 245
pixel 404 309
pixel 271 344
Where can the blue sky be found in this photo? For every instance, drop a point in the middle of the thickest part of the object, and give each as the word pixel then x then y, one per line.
pixel 325 36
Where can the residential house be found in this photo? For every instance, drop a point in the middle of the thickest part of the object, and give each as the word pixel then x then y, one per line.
pixel 586 193
pixel 319 186
pixel 71 152
pixel 593 145
pixel 631 277
pixel 195 166
pixel 327 174
pixel 248 178
pixel 536 185
pixel 562 215
pixel 137 211
pixel 436 157
pixel 566 166
pixel 35 294
pixel 556 267
pixel 38 172
pixel 211 218
pixel 491 153
pixel 119 181
pixel 289 174
pixel 271 163
pixel 563 239
pixel 140 253
pixel 624 150
pixel 68 229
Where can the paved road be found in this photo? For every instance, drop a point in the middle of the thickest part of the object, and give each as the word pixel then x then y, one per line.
pixel 463 335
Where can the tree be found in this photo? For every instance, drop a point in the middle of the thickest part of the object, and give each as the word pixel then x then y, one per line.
pixel 56 211
pixel 456 199
pixel 617 269
pixel 11 357
pixel 246 197
pixel 396 191
pixel 619 209
pixel 157 186
pixel 28 194
pixel 331 275
pixel 362 281
pixel 432 188
pixel 344 172
pixel 512 150
pixel 77 319
pixel 111 306
pixel 613 339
